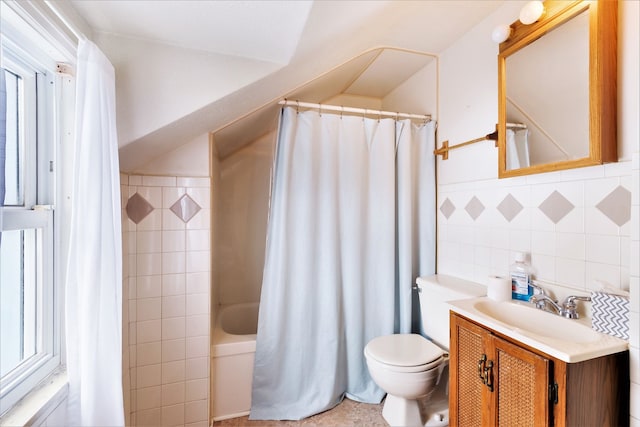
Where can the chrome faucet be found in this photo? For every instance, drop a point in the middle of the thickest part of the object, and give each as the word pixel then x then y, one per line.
pixel 567 309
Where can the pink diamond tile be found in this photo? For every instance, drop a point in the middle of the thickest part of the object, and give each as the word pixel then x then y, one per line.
pixel 138 208
pixel 509 207
pixel 185 208
pixel 474 208
pixel 617 206
pixel 556 207
pixel 447 208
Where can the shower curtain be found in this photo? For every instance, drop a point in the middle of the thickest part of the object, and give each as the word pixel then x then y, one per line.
pixel 351 224
pixel 517 148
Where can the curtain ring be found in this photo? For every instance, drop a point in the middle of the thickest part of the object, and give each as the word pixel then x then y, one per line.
pixel 364 112
pixel 341 111
pixel 320 109
pixel 297 107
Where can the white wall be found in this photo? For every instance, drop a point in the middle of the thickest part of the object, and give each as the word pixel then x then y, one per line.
pixel 240 217
pixel 190 159
pixel 572 252
pixel 157 84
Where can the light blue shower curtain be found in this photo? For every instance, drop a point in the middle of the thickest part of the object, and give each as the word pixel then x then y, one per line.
pixel 335 276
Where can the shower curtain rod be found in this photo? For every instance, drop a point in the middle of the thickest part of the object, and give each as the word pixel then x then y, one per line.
pixel 325 107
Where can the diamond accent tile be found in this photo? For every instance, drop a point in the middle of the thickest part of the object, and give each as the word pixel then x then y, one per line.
pixel 556 207
pixel 474 208
pixel 447 208
pixel 185 208
pixel 510 207
pixel 138 208
pixel 617 206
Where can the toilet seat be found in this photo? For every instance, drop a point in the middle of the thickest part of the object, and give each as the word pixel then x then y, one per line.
pixel 404 353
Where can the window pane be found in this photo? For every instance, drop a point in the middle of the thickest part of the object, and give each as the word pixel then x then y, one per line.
pixel 14 150
pixel 18 287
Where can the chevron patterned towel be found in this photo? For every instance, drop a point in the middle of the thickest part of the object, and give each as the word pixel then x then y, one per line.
pixel 610 314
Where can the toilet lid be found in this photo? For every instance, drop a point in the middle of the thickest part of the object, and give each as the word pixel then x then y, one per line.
pixel 403 350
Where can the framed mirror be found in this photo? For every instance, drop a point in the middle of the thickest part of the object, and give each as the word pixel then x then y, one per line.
pixel 557 89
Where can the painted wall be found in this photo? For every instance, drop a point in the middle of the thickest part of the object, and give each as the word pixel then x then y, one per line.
pixel 167 262
pixel 240 217
pixel 579 226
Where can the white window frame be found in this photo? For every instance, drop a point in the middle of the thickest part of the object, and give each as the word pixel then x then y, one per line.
pixel 41 140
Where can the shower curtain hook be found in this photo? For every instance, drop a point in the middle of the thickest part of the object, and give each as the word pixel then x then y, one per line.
pixel 297 107
pixel 364 112
pixel 341 111
pixel 320 109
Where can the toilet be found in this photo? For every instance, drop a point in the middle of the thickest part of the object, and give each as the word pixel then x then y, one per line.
pixel 410 367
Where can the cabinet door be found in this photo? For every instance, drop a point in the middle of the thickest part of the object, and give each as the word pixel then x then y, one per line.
pixel 521 386
pixel 465 385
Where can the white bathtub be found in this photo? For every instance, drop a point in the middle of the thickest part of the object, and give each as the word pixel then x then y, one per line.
pixel 233 346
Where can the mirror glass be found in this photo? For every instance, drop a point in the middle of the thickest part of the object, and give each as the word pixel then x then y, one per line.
pixel 552 109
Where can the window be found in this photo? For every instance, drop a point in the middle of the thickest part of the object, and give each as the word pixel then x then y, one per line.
pixel 29 323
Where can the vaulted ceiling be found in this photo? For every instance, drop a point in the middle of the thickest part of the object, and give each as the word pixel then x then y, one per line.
pixel 184 68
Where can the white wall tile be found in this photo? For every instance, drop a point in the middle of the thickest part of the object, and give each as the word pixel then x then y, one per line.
pixel 197 368
pixel 148 264
pixel 148 331
pixel 202 196
pixel 197 261
pixel 195 411
pixel 173 241
pixel 170 221
pixel 173 262
pixel 571 272
pixel 197 304
pixel 573 222
pixel 148 398
pixel 173 394
pixel 602 249
pixel 173 284
pixel 151 222
pixel 170 195
pixel 135 180
pixel 173 350
pixel 148 418
pixel 197 325
pixel 149 286
pixel 197 347
pixel 173 306
pixel 198 283
pixel 173 372
pixel 200 221
pixel 543 243
pixel 196 390
pixel 198 240
pixel 193 182
pixel 602 272
pixel 173 415
pixel 148 309
pixel 159 181
pixel 570 245
pixel 153 195
pixel 634 409
pixel 148 376
pixel 173 328
pixel 148 353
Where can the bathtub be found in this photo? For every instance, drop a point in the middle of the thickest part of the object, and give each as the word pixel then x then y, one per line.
pixel 233 346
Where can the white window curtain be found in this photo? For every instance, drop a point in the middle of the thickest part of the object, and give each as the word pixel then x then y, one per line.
pixel 347 192
pixel 94 273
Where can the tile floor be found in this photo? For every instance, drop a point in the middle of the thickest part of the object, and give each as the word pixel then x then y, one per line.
pixel 346 414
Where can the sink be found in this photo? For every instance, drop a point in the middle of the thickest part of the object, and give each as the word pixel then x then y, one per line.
pixel 537 321
pixel 569 340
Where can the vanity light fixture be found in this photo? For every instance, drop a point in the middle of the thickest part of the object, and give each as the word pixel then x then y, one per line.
pixel 501 33
pixel 531 12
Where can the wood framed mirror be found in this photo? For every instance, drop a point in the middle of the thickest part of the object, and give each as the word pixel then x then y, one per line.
pixel 557 89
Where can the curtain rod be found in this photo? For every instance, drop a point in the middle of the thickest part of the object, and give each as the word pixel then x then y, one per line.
pixel 493 136
pixel 426 117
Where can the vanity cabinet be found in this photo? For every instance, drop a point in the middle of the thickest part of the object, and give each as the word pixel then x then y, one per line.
pixel 497 381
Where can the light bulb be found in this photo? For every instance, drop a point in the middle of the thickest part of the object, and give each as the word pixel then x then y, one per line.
pixel 501 33
pixel 531 12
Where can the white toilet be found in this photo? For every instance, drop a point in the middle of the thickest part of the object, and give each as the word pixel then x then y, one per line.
pixel 409 367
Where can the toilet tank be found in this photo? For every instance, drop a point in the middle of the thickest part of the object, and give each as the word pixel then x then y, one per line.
pixel 435 292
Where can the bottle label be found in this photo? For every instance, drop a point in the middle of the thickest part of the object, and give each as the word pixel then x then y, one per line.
pixel 520 286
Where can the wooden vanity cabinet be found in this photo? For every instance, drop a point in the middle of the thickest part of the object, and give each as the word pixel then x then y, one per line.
pixel 497 381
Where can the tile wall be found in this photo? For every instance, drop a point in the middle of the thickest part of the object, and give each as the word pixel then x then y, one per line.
pixel 575 225
pixel 634 288
pixel 168 289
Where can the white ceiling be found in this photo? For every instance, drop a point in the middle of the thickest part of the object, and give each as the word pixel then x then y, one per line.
pixel 322 48
pixel 264 30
